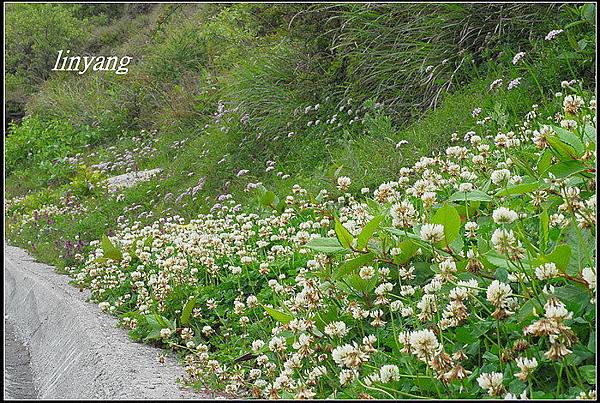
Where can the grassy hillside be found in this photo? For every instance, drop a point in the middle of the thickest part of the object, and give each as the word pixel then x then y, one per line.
pixel 321 90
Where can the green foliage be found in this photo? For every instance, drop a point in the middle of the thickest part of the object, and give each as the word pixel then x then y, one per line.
pixel 34 34
pixel 44 144
pixel 449 218
pixel 410 56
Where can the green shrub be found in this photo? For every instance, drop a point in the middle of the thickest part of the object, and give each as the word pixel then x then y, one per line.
pixel 45 144
pixel 34 35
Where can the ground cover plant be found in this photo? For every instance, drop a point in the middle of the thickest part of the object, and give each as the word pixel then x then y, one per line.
pixel 471 275
pixel 316 226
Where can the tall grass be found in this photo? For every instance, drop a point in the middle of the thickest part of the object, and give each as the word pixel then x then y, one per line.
pixel 409 55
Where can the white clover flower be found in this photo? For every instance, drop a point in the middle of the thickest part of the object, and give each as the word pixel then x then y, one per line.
pixel 465 187
pixel 395 306
pixel 556 310
pixel 424 344
pixel 514 83
pixel 478 159
pixel 503 215
pixel 552 34
pixel 207 330
pixel 526 365
pixel 343 183
pixel 500 175
pixel 407 311
pixel 589 275
pixel 257 345
pixel 546 271
pixel 432 232
pixel 277 344
pixel 511 396
pixel 518 57
pixel 568 124
pixel 471 228
pixel 350 356
pixel 589 395
pixel 447 266
pixel 407 273
pixel 492 382
pixel 347 376
pixel 336 329
pixel 498 293
pixel 503 240
pixel 366 272
pixel 572 104
pixel 496 84
pixel 389 373
pixel 252 301
pixel 165 333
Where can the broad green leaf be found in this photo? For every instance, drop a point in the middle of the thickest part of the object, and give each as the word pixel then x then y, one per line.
pixel 566 168
pixel 589 133
pixel 521 188
pixel 352 265
pixel 110 251
pixel 526 311
pixel 152 321
pixel 153 335
pixel 544 162
pixel 326 245
pixel 464 336
pixel 187 311
pixel 589 373
pixel 474 195
pixel 588 12
pixel 544 228
pixel 280 207
pixel 158 321
pixel 324 318
pixel 583 248
pixel 571 139
pixel 361 284
pixel 490 357
pixel 408 249
pixel 500 261
pixel 343 235
pixel 269 199
pixel 592 342
pixel 367 232
pixel 501 274
pixel 561 255
pixel 449 218
pixel 278 316
pixel 565 151
pixel 575 297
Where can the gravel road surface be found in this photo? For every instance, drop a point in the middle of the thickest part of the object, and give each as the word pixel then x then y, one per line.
pixel 74 350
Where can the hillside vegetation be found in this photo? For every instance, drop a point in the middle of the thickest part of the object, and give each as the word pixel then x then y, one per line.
pixel 349 200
